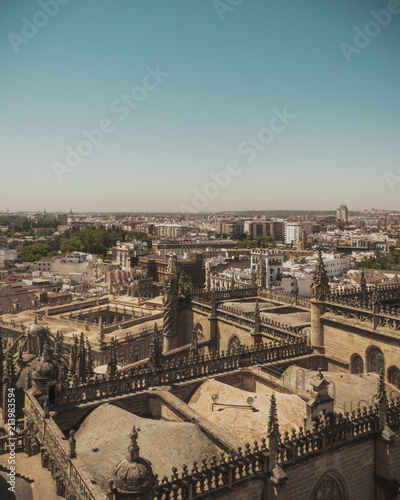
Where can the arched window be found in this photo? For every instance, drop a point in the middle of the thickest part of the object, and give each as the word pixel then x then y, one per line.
pixel 375 360
pixel 233 344
pixel 356 364
pixel 394 376
pixel 199 330
pixel 329 487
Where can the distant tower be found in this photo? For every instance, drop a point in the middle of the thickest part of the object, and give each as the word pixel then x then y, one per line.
pixel 170 304
pixel 342 213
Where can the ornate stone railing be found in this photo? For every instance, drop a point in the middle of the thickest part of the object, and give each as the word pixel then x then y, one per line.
pixel 335 431
pixel 220 475
pixel 273 329
pixel 353 296
pixel 372 319
pixel 182 369
pixel 287 297
pixel 76 481
pixel 237 293
pixel 215 477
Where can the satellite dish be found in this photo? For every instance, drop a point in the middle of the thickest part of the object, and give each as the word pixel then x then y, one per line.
pixel 214 397
pixel 250 400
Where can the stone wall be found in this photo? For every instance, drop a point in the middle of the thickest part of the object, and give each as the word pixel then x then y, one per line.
pixel 353 465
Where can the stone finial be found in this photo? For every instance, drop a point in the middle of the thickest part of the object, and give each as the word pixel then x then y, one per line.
pixel 112 361
pixel 72 444
pixel 382 395
pixel 320 281
pixel 133 448
pixel 10 369
pixel 273 426
pixel 46 407
pixel 154 349
pixel 208 278
pixel 253 278
pixel 257 318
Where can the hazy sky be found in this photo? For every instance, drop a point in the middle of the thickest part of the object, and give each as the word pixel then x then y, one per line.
pixel 261 89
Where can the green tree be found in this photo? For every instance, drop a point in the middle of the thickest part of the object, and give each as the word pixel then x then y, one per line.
pixel 35 251
pixel 187 280
pixel 73 244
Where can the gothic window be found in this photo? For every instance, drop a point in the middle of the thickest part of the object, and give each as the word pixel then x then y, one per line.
pixel 356 364
pixel 199 330
pixel 394 376
pixel 329 487
pixel 375 360
pixel 233 344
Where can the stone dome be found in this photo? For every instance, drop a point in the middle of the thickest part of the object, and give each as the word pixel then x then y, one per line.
pixel 134 477
pixel 35 330
pixel 46 369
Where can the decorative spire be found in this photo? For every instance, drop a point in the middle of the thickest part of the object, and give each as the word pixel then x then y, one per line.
pixel 181 285
pixel 382 395
pixel 257 318
pixel 170 304
pixel 320 281
pixel 133 448
pixel 273 426
pixel 208 278
pixel 194 344
pixel 112 361
pixel 1 359
pixel 154 349
pixel 172 257
pixel 253 278
pixel 10 369
pixel 363 281
pixel 72 444
pixel 81 364
pixel 363 287
pixel 89 359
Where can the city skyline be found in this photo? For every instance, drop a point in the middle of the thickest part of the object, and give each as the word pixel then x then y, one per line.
pixel 218 106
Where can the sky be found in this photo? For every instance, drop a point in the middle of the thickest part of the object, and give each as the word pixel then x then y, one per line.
pixel 199 105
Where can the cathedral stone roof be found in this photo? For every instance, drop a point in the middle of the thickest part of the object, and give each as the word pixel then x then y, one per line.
pixel 102 438
pixel 246 421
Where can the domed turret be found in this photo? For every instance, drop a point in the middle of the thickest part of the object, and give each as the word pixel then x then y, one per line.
pixel 45 370
pixel 134 478
pixel 35 330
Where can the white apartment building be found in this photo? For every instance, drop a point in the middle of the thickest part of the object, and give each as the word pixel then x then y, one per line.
pixel 293 232
pixel 273 262
pixel 171 230
pixel 126 251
